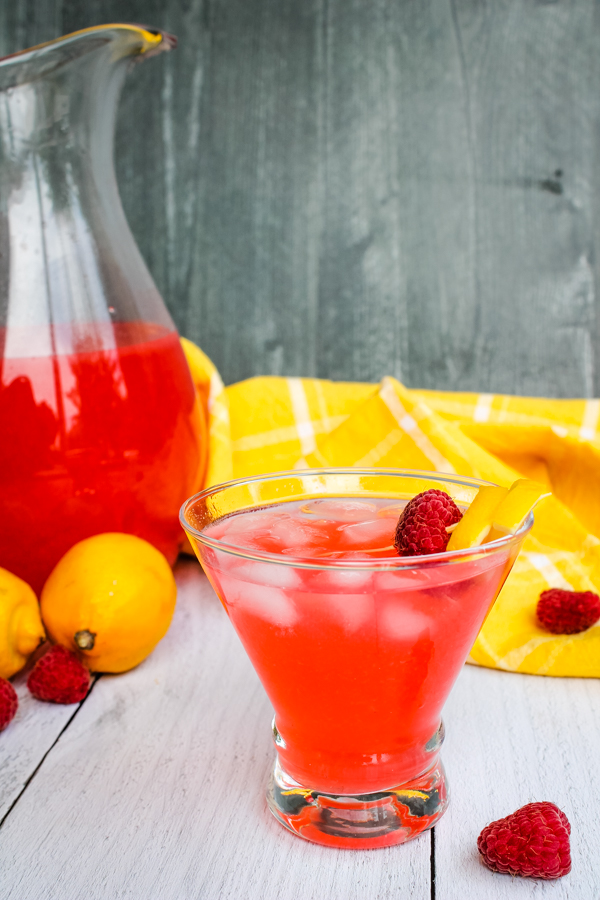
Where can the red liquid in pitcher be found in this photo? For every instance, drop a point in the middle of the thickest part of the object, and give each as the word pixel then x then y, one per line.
pixel 95 441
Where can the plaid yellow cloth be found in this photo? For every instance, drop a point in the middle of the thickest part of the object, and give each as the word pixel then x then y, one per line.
pixel 272 424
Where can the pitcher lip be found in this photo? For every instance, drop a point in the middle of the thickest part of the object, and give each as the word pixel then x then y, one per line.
pixel 155 39
pixel 403 562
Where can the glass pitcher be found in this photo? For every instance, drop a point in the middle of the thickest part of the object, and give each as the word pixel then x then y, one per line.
pixel 100 428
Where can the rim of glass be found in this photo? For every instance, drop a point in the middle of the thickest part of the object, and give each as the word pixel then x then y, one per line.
pixel 404 562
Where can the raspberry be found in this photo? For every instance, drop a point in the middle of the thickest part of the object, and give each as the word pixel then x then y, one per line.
pixel 59 677
pixel 422 526
pixel 568 612
pixel 532 842
pixel 8 703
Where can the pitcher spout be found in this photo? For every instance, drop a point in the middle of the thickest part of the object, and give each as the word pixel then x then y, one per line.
pixel 136 42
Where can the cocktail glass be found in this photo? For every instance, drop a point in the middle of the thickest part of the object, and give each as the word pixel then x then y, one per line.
pixel 357 655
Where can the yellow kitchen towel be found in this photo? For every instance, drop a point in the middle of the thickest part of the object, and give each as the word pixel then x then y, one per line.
pixel 270 424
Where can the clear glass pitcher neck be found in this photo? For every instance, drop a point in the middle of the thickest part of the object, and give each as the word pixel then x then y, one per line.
pixel 69 266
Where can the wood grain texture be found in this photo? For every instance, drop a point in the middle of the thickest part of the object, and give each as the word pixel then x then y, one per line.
pixel 24 744
pixel 344 189
pixel 156 791
pixel 156 788
pixel 515 739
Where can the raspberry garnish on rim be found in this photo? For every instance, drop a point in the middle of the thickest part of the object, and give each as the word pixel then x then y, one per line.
pixel 432 522
pixel 426 523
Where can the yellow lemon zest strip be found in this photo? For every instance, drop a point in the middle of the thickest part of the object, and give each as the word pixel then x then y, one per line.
pixel 514 509
pixel 476 523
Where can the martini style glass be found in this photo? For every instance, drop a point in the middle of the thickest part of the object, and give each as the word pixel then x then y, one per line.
pixel 356 647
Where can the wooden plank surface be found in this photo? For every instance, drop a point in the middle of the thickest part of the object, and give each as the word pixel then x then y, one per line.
pixel 156 788
pixel 23 746
pixel 156 791
pixel 348 190
pixel 514 739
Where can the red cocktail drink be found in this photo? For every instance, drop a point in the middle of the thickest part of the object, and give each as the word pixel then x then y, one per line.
pixel 356 647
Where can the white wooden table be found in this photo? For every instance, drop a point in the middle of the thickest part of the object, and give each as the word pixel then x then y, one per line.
pixel 154 786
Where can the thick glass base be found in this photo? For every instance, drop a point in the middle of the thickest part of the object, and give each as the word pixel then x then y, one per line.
pixel 359 822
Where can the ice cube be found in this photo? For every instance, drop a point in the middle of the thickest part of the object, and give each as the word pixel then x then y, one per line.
pixel 401 579
pixel 348 510
pixel 353 611
pixel 345 609
pixel 396 620
pixel 239 524
pixel 298 538
pixel 388 580
pixel 343 581
pixel 264 602
pixel 251 531
pixel 371 533
pixel 392 512
pixel 273 574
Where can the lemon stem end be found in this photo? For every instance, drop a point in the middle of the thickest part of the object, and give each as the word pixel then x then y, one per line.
pixel 85 640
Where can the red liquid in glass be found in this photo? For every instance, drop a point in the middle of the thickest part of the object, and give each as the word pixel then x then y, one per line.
pixel 95 441
pixel 357 663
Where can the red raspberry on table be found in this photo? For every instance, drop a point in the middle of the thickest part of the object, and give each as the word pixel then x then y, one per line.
pixel 59 677
pixel 532 842
pixel 568 612
pixel 9 703
pixel 422 526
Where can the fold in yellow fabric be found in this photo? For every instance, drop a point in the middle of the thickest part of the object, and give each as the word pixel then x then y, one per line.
pixel 270 424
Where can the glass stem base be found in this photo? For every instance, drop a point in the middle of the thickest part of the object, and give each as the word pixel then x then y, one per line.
pixel 363 821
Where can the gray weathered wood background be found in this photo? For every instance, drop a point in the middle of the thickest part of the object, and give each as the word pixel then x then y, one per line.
pixel 346 188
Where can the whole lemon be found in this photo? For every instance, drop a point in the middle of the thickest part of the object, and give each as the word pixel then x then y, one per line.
pixel 21 629
pixel 110 599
